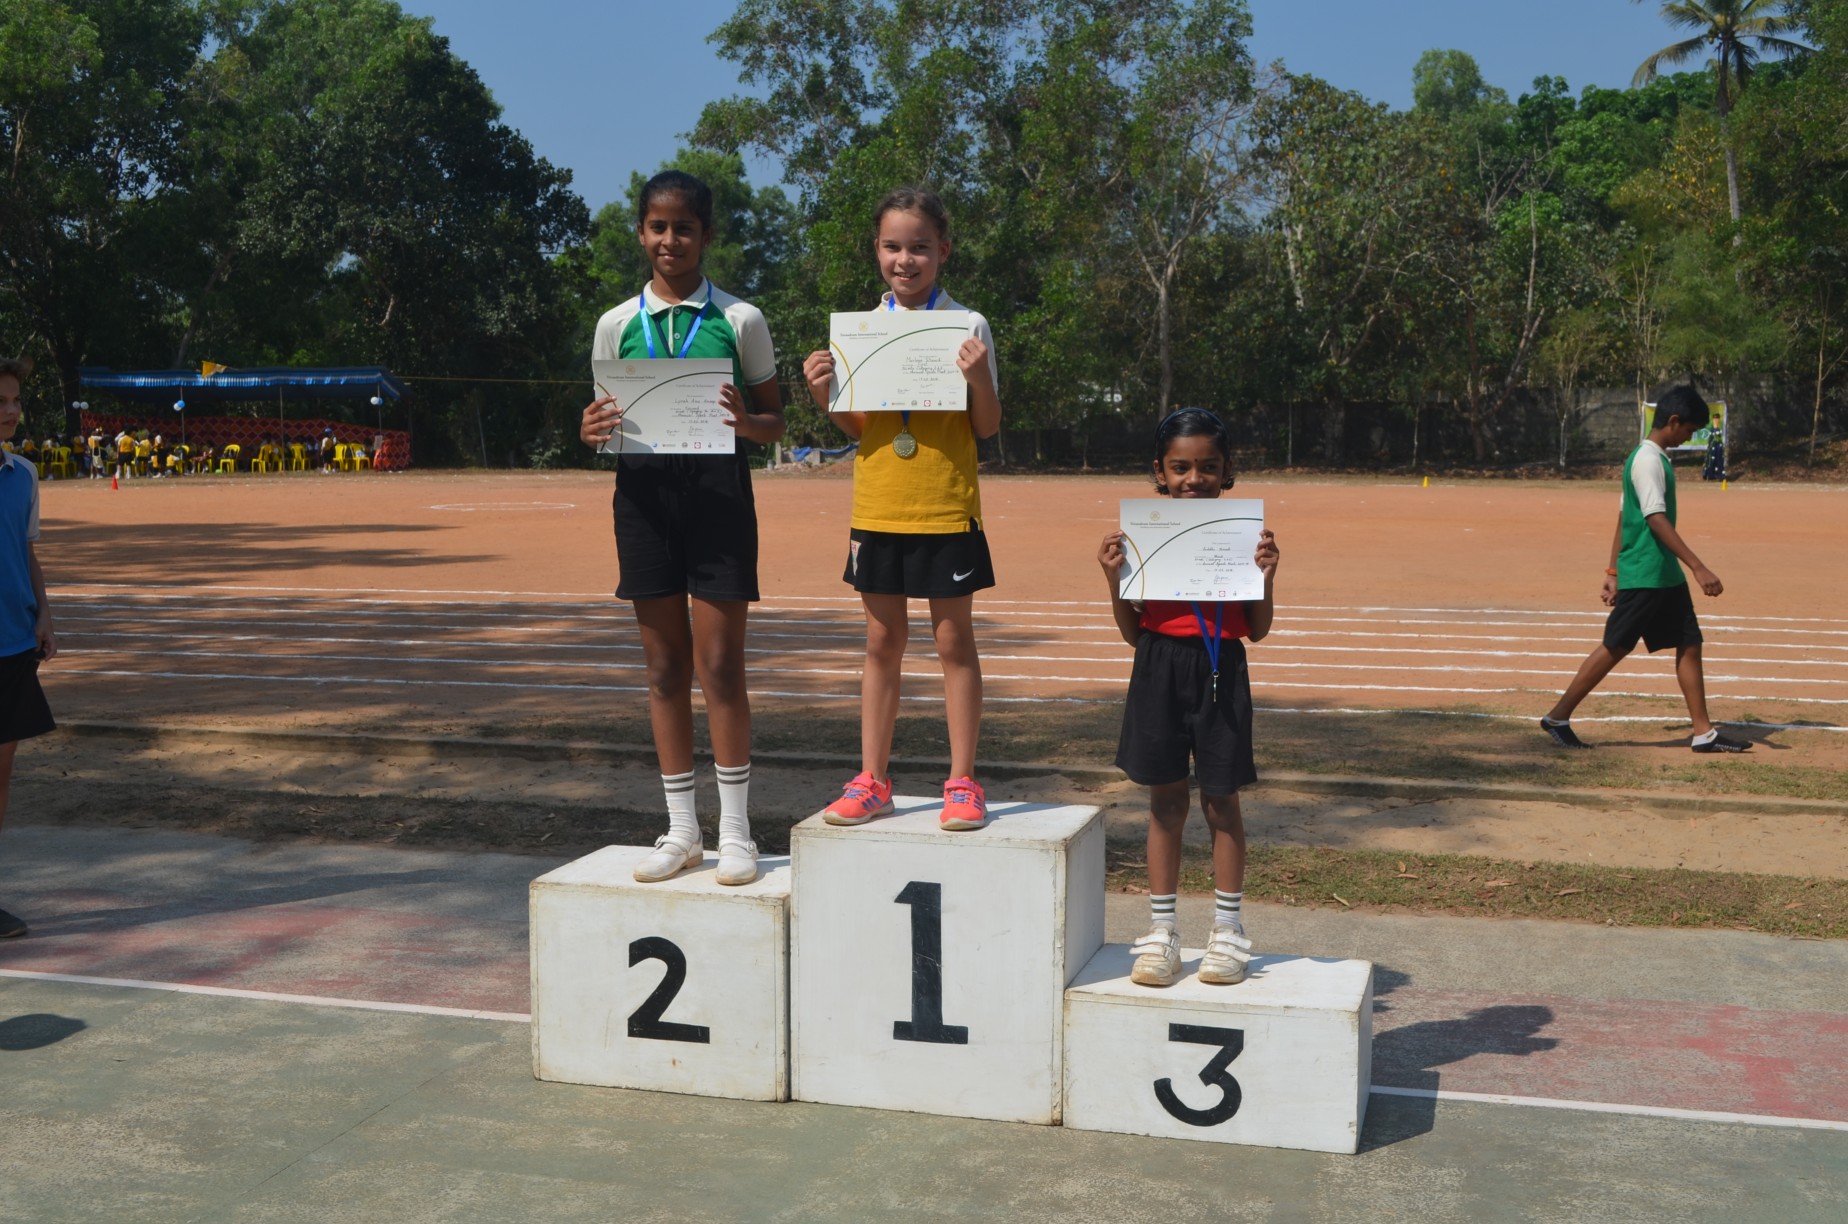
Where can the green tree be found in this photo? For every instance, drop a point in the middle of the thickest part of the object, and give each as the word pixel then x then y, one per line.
pixel 1346 181
pixel 91 103
pixel 1740 32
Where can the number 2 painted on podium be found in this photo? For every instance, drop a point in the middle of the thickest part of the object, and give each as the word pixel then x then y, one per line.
pixel 926 1023
pixel 1231 1043
pixel 645 1021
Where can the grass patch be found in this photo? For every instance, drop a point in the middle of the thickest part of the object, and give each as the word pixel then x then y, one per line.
pixel 1326 878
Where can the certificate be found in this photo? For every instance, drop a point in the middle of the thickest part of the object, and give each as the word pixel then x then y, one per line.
pixel 898 361
pixel 1191 548
pixel 669 406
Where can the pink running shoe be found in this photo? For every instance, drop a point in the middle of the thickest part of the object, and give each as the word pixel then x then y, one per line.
pixel 861 799
pixel 964 804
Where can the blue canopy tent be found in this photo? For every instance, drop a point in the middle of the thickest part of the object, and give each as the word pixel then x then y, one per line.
pixel 181 387
pixel 155 386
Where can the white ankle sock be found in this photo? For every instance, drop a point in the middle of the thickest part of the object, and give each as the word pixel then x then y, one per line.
pixel 1161 909
pixel 1226 907
pixel 734 802
pixel 1713 733
pixel 682 818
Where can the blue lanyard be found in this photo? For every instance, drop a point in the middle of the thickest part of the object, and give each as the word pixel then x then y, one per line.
pixel 904 415
pixel 1211 643
pixel 648 332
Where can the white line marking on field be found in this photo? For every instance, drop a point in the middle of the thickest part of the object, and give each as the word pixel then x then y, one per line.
pixel 463 1013
pixel 599 599
pixel 492 507
pixel 268 996
pixel 1639 1111
pixel 1119 661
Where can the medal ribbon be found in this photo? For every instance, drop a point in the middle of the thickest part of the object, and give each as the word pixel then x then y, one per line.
pixel 648 332
pixel 1211 643
pixel 892 304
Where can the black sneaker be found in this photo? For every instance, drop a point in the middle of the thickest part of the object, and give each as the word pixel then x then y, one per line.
pixel 1721 743
pixel 1562 734
pixel 10 927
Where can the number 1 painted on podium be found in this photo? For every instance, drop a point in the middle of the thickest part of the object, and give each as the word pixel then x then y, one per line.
pixel 926 1023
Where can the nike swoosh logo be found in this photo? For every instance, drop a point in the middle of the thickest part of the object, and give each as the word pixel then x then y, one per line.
pixel 961 576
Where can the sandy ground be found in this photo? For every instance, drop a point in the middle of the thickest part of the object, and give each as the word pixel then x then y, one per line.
pixel 98 778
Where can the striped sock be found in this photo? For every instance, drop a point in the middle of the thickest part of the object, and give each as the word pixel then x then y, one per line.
pixel 682 822
pixel 1161 909
pixel 734 802
pixel 1226 908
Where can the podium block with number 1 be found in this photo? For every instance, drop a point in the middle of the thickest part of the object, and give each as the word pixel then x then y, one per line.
pixel 928 968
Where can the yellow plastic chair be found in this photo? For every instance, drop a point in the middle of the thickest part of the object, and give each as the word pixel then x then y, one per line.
pixel 228 462
pixel 268 458
pixel 360 460
pixel 144 452
pixel 298 457
pixel 61 464
pixel 343 457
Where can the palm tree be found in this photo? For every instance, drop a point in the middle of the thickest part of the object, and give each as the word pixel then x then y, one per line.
pixel 1732 27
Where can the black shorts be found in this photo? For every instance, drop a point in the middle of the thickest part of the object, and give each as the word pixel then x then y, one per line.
pixel 1171 714
pixel 918 566
pixel 685 525
pixel 1661 616
pixel 24 712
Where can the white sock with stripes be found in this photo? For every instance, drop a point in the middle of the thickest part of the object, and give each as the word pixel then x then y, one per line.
pixel 1226 909
pixel 1161 909
pixel 682 818
pixel 734 802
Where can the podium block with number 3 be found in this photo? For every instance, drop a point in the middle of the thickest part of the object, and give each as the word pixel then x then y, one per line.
pixel 679 986
pixel 927 967
pixel 1283 1059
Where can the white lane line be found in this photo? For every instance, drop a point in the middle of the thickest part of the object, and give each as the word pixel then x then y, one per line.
pixel 408 682
pixel 1263 662
pixel 463 1013
pixel 268 996
pixel 1530 718
pixel 397 682
pixel 928 674
pixel 599 600
pixel 1635 1111
pixel 552 622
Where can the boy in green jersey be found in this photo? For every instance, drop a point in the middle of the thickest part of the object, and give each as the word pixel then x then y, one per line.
pixel 1644 586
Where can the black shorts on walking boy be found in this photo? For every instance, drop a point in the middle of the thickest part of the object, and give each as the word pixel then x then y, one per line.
pixel 1661 616
pixel 24 712
pixel 944 566
pixel 1170 714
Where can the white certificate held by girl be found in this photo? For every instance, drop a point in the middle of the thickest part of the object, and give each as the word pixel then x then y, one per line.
pixel 669 407
pixel 1198 549
pixel 898 361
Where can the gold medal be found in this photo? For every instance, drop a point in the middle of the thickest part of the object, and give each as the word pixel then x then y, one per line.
pixel 904 445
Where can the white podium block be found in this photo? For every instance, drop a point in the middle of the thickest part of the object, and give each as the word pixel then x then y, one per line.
pixel 927 967
pixel 679 986
pixel 1283 1059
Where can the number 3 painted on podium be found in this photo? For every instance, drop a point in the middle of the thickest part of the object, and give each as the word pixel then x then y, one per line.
pixel 645 1021
pixel 1231 1043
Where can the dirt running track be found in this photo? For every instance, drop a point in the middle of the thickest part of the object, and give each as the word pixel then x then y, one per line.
pixel 432 598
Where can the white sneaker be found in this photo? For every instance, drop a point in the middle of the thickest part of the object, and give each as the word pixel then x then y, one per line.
pixel 737 862
pixel 1158 957
pixel 1227 955
pixel 669 859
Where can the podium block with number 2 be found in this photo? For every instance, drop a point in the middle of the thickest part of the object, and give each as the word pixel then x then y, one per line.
pixel 679 986
pixel 927 967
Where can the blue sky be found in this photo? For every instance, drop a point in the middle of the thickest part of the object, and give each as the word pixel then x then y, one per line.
pixel 607 87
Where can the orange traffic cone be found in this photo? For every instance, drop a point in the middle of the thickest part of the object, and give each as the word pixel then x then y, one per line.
pixel 113 482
